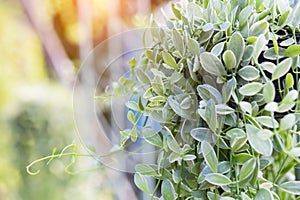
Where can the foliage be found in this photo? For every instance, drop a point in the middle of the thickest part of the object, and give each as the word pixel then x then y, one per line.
pixel 222 81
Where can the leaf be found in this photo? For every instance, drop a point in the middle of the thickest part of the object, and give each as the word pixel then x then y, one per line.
pixel 207 92
pixel 258 47
pixel 292 187
pixel 263 147
pixel 212 64
pixel 268 66
pixel 132 105
pixel 141 182
pixel 251 89
pixel 172 143
pixel 271 107
pixel 247 171
pixel 288 101
pixel 265 134
pixel 178 42
pixel 203 134
pixel 292 51
pixel 245 14
pixel 263 194
pixel 131 117
pixel 229 59
pixel 209 156
pixel 295 15
pixel 193 45
pixel 145 170
pixel 189 157
pixel 223 109
pixel 237 45
pixel 176 12
pixel 167 190
pixel 259 28
pixel 169 60
pixel 269 92
pixel 287 122
pixel 152 137
pixel 267 121
pixel 211 115
pixel 218 179
pixel 289 81
pixel 228 89
pixel 282 68
pixel 246 107
pixel 295 151
pixel 249 73
pixel 218 48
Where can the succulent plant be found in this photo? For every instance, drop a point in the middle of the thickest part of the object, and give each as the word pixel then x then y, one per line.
pixel 222 81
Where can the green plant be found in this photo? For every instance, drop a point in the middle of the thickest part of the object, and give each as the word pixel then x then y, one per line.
pixel 211 81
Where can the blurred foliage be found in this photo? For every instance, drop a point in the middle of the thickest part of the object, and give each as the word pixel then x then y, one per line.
pixel 36 113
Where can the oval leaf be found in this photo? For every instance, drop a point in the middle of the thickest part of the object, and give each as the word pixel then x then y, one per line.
pixel 282 68
pixel 251 89
pixel 292 187
pixel 237 45
pixel 218 179
pixel 249 73
pixel 141 182
pixel 212 64
pixel 269 92
pixel 209 156
pixel 264 147
pixel 167 190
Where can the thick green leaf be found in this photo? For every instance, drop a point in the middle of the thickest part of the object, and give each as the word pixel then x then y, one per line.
pixel 131 117
pixel 141 182
pixel 176 12
pixel 259 28
pixel 152 137
pixel 249 73
pixel 292 187
pixel 209 156
pixel 193 46
pixel 167 190
pixel 269 92
pixel 267 121
pixel 228 89
pixel 172 143
pixel 247 171
pixel 203 134
pixel 218 179
pixel 264 194
pixel 245 14
pixel 212 64
pixel 292 51
pixel 169 60
pixel 246 107
pixel 287 122
pixel 289 81
pixel 145 170
pixel 223 109
pixel 218 48
pixel 229 59
pixel 211 115
pixel 288 101
pixel 207 92
pixel 264 147
pixel 282 68
pixel 295 151
pixel 258 47
pixel 268 66
pixel 178 42
pixel 237 45
pixel 251 89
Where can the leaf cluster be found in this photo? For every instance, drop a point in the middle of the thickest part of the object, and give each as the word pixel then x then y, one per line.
pixel 222 81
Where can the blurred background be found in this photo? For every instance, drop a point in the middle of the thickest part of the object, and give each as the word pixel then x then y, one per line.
pixel 42 46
